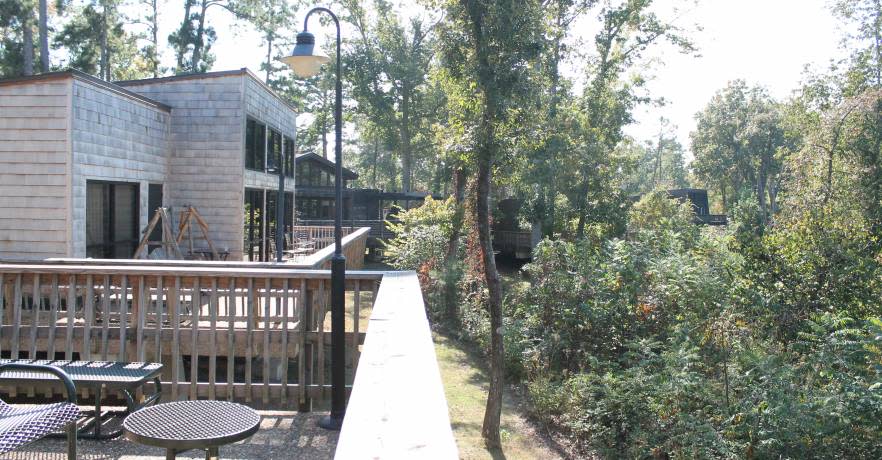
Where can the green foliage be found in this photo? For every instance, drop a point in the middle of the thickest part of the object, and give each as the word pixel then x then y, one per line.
pixel 658 345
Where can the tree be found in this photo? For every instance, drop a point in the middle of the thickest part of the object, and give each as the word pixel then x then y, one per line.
pixel 150 19
pixel 16 38
pixel 488 45
pixel 97 43
pixel 735 143
pixel 273 19
pixel 44 36
pixel 388 65
pixel 627 30
pixel 195 36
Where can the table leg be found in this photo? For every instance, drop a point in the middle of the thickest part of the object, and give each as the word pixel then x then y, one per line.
pixel 211 453
pixel 170 454
pixel 98 411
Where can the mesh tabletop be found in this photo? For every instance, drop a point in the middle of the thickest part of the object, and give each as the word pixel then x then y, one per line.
pixel 89 372
pixel 191 424
pixel 23 424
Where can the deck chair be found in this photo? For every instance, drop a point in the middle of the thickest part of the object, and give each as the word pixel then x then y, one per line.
pixel 22 425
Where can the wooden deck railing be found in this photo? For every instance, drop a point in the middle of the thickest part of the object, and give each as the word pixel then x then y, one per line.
pixel 377 226
pixel 252 333
pixel 354 243
pixel 397 408
pixel 318 236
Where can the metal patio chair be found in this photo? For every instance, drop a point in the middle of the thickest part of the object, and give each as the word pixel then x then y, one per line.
pixel 24 424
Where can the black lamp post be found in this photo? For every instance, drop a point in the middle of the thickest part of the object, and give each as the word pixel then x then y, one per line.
pixel 307 61
pixel 280 207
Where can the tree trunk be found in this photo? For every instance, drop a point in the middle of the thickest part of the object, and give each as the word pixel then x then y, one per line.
pixel 406 150
pixel 374 163
pixel 154 58
pixel 269 57
pixel 184 35
pixel 583 207
pixel 493 411
pixel 761 181
pixel 197 42
pixel 325 123
pixel 44 37
pixel 450 288
pixel 28 46
pixel 103 67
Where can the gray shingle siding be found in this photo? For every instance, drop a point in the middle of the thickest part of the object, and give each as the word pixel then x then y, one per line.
pixel 114 138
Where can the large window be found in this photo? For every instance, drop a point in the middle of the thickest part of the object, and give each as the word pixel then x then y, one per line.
pixel 255 145
pixel 112 215
pixel 274 159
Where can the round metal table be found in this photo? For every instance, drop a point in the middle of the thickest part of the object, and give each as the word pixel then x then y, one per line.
pixel 185 425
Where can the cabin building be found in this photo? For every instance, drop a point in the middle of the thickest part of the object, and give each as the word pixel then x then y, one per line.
pixel 362 207
pixel 698 198
pixel 84 163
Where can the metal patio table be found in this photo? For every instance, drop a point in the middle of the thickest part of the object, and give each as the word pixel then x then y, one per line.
pixel 184 425
pixel 99 377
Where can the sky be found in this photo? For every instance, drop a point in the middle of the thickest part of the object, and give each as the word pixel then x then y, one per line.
pixel 765 42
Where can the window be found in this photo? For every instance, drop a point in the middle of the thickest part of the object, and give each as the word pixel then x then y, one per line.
pixel 154 201
pixel 112 219
pixel 274 159
pixel 255 145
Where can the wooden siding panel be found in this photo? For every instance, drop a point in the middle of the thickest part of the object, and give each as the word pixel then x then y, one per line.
pixel 33 169
pixel 207 159
pixel 115 138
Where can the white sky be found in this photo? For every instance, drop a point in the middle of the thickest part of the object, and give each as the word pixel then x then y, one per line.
pixel 766 42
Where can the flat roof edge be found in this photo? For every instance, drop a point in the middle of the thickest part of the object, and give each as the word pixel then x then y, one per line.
pixel 84 77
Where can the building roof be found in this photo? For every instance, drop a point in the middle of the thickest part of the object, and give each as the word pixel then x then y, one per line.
pixel 244 71
pixel 347 173
pixel 84 77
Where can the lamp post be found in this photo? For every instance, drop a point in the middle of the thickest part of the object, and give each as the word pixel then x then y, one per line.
pixel 280 208
pixel 307 61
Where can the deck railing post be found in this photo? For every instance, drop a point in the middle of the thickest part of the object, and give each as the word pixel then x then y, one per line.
pixel 307 353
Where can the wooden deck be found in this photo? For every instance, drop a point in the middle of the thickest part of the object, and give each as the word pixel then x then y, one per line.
pixel 251 334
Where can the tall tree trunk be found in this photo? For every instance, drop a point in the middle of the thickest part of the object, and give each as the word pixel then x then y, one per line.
pixel 451 300
pixel 154 57
pixel 269 56
pixel 28 46
pixel 761 182
pixel 493 411
pixel 773 196
pixel 406 149
pixel 325 124
pixel 374 163
pixel 198 44
pixel 184 35
pixel 44 37
pixel 103 64
pixel 550 186
pixel 583 207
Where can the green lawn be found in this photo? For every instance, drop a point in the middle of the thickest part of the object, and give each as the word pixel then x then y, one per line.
pixel 466 385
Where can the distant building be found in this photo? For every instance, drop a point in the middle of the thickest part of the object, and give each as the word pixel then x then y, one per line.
pixel 84 163
pixel 698 198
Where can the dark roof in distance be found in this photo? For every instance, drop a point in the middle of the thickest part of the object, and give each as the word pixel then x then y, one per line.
pixel 347 173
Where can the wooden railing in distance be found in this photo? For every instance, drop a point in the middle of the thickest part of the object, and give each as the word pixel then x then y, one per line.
pixel 255 334
pixel 317 236
pixel 397 408
pixel 378 226
pixel 354 243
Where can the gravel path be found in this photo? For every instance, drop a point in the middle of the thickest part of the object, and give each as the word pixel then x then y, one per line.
pixel 282 435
